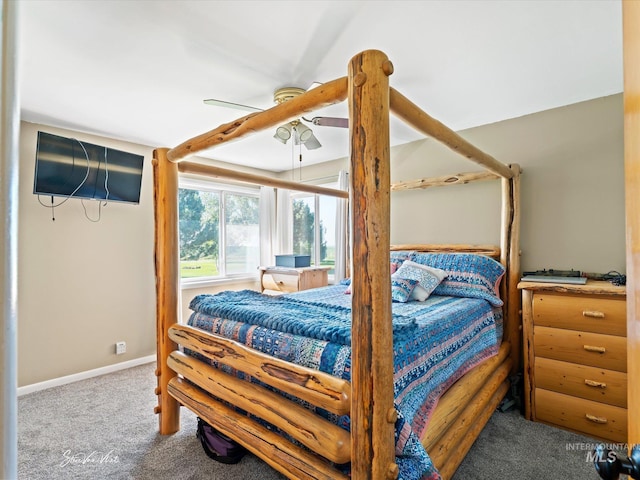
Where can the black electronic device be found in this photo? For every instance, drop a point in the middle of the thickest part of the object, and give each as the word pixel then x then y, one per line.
pixel 609 465
pixel 614 277
pixel 554 273
pixel 66 167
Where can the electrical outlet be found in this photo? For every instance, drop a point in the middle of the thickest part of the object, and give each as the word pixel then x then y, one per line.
pixel 121 347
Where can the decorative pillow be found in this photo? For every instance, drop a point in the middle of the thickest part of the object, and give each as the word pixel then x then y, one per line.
pixel 428 278
pixel 401 289
pixel 468 275
pixel 419 294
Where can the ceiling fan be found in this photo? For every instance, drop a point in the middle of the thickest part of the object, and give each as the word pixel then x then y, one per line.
pixel 300 132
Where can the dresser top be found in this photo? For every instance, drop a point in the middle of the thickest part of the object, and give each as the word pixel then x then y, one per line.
pixel 592 287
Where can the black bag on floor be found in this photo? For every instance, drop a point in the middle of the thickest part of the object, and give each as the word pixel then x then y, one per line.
pixel 217 446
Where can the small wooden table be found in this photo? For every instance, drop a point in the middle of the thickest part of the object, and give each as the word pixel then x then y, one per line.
pixel 279 280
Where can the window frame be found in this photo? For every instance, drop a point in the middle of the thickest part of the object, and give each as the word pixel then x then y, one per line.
pixel 221 188
pixel 315 257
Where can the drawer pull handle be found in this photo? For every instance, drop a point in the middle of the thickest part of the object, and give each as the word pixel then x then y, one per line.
pixel 591 348
pixel 593 314
pixel 595 419
pixel 593 383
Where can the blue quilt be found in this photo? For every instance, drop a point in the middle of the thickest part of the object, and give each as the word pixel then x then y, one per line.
pixel 435 343
pixel 289 314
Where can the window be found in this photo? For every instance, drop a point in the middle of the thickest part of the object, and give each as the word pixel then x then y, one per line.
pixel 314 218
pixel 219 231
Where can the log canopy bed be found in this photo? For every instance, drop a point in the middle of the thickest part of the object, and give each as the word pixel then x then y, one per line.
pixel 312 447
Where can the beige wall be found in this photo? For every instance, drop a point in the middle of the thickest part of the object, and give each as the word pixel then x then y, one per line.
pixel 84 286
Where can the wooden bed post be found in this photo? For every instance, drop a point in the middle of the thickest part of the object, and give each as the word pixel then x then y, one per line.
pixel 372 411
pixel 510 256
pixel 165 198
pixel 631 50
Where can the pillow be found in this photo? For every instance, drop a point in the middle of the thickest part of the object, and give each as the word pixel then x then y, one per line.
pixel 396 259
pixel 428 278
pixel 468 275
pixel 401 289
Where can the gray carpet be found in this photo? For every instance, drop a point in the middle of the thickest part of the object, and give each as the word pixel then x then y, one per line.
pixel 104 428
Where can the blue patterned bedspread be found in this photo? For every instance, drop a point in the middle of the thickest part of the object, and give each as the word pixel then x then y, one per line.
pixel 435 343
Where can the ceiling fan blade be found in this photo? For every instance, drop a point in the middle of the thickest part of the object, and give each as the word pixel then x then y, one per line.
pixel 237 106
pixel 331 122
pixel 312 143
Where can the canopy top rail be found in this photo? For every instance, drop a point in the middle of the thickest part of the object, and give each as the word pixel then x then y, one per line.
pixel 413 115
pixel 212 171
pixel 324 95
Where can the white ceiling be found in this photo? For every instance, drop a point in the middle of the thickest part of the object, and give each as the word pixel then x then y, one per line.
pixel 139 70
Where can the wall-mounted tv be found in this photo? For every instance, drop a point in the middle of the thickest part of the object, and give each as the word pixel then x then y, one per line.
pixel 66 167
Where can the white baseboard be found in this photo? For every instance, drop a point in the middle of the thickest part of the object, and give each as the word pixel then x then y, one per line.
pixel 56 382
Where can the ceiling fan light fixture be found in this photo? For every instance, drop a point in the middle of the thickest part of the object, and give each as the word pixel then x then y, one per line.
pixel 302 135
pixel 312 142
pixel 304 132
pixel 287 93
pixel 283 133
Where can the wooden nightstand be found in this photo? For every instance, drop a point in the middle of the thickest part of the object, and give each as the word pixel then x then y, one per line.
pixel 279 280
pixel 575 357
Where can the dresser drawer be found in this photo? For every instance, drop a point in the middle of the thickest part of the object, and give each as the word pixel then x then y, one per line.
pixel 591 383
pixel 593 349
pixel 593 418
pixel 596 314
pixel 280 282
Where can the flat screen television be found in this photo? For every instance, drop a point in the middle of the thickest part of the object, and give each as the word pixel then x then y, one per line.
pixel 66 167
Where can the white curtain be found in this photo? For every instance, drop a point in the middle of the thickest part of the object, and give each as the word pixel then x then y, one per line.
pixel 342 233
pixel 267 225
pixel 284 223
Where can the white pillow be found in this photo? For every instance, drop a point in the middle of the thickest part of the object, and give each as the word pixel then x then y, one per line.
pixel 428 278
pixel 419 293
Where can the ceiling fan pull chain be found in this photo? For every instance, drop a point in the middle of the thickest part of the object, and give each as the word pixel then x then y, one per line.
pixel 293 161
pixel 300 165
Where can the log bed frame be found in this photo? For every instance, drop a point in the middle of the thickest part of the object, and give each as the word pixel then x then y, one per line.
pixel 464 409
